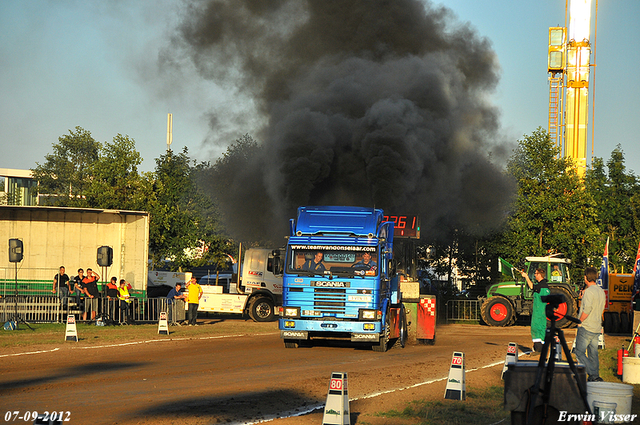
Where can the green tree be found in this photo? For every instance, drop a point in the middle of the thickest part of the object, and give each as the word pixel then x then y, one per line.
pixel 553 212
pixel 617 194
pixel 116 183
pixel 184 227
pixel 66 173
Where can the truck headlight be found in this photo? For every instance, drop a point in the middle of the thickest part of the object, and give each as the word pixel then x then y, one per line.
pixel 291 311
pixel 364 314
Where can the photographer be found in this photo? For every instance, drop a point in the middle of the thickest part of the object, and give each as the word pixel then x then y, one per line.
pixel 590 314
pixel 538 316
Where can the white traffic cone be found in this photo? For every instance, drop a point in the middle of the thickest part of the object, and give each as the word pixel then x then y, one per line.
pixel 163 324
pixel 456 386
pixel 512 357
pixel 336 410
pixel 71 333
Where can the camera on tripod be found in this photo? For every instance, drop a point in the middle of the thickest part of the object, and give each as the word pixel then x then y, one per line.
pixel 554 299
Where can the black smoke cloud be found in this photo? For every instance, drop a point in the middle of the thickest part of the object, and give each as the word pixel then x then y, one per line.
pixel 372 103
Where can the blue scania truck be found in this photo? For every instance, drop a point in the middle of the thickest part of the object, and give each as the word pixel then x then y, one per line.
pixel 340 280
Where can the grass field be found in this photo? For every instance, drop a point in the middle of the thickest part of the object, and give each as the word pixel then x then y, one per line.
pixel 484 406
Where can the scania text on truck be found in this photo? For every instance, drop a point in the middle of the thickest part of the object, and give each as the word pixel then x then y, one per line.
pixel 339 279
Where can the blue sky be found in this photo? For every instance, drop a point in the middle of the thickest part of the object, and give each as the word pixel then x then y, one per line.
pixel 93 64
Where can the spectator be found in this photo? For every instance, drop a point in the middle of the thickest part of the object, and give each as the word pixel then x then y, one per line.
pixel 172 298
pixel 125 301
pixel 193 298
pixel 112 296
pixel 61 286
pixel 90 284
pixel 538 315
pixel 591 308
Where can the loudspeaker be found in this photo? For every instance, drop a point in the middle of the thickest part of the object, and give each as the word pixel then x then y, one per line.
pixel 15 250
pixel 105 256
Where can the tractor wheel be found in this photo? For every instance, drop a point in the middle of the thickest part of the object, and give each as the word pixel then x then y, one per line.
pixel 567 308
pixel 497 311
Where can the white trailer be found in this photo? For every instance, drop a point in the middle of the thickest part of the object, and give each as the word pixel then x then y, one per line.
pixel 259 291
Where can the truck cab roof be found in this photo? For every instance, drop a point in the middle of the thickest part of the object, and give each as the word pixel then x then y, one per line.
pixel 356 221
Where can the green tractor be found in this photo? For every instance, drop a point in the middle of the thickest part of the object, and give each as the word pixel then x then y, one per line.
pixel 506 301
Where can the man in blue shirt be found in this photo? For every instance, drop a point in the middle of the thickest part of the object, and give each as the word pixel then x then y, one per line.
pixel 365 263
pixel 172 296
pixel 315 265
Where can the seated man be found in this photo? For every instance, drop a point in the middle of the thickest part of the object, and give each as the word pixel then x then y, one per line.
pixel 315 264
pixel 365 263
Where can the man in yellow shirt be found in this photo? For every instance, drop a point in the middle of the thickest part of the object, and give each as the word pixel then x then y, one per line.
pixel 193 298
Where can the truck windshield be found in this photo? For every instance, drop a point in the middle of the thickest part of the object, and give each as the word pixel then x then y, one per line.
pixel 333 260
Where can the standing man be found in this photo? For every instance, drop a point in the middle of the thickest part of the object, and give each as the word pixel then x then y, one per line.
pixel 172 297
pixel 193 298
pixel 538 316
pixel 590 314
pixel 90 283
pixel 61 285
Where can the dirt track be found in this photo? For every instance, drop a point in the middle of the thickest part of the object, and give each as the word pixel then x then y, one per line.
pixel 238 379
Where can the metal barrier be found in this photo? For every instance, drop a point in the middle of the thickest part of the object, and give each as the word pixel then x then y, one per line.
pixel 51 309
pixel 463 310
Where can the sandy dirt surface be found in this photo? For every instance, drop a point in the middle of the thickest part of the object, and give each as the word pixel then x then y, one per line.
pixel 241 378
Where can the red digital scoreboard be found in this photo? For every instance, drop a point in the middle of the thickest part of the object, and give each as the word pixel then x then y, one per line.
pixel 405 226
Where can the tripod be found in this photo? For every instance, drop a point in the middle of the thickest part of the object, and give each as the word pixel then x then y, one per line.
pixel 553 302
pixel 16 317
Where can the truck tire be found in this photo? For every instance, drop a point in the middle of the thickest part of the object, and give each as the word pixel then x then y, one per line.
pixel 607 322
pixel 569 308
pixel 382 346
pixel 625 324
pixel 497 311
pixel 262 309
pixel 615 326
pixel 404 328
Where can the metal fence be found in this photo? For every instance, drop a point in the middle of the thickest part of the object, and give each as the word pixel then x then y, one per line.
pixel 463 310
pixel 51 309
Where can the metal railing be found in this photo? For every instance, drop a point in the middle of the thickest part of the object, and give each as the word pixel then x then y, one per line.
pixel 463 310
pixel 51 309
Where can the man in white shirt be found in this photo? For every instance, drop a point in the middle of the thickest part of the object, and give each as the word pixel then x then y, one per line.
pixel 590 314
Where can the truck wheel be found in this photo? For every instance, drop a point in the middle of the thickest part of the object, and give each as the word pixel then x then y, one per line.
pixel 404 328
pixel 607 322
pixel 382 346
pixel 497 311
pixel 569 308
pixel 291 343
pixel 262 309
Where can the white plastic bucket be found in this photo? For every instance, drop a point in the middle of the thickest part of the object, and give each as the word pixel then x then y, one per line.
pixel 608 393
pixel 631 370
pixel 604 410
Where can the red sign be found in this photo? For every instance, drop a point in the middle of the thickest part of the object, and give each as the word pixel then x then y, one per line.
pixel 336 384
pixel 404 226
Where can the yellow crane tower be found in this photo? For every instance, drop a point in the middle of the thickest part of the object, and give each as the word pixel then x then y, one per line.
pixel 568 64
